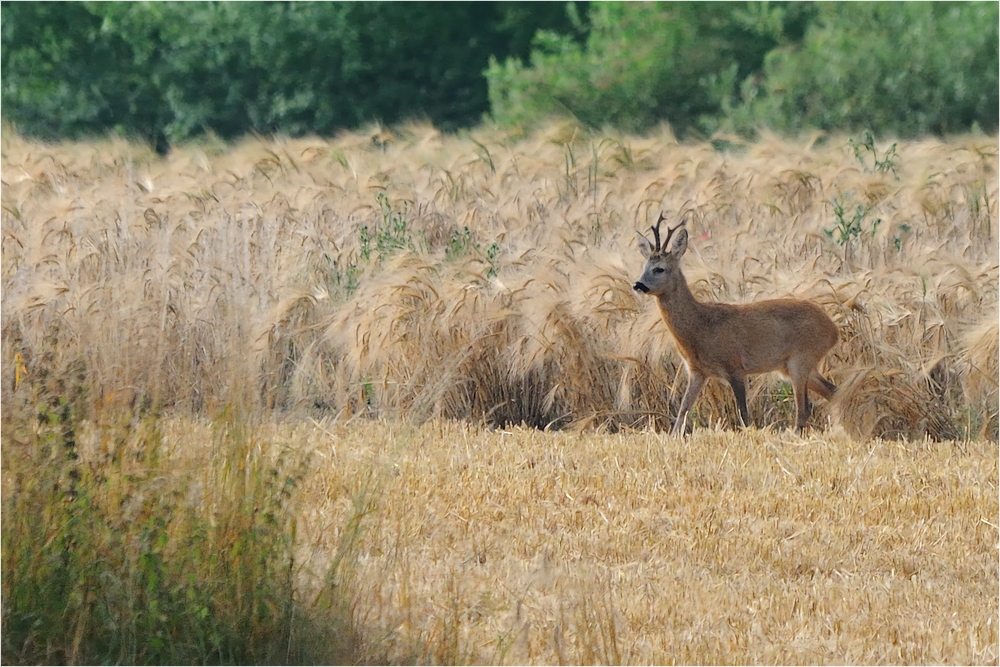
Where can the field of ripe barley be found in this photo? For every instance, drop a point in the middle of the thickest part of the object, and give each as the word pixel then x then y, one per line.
pixel 487 277
pixel 436 345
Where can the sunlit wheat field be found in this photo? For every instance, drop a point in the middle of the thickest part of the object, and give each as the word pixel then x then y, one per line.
pixel 436 334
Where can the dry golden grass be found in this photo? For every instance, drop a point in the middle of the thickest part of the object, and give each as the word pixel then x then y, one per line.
pixel 487 276
pixel 524 547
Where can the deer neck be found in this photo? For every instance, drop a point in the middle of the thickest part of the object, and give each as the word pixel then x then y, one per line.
pixel 683 314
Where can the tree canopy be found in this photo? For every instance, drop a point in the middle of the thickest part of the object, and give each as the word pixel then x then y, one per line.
pixel 168 71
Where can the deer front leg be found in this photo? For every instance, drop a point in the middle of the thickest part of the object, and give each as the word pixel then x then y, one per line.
pixel 802 407
pixel 695 382
pixel 740 391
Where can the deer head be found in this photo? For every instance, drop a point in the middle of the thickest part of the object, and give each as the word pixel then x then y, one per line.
pixel 662 260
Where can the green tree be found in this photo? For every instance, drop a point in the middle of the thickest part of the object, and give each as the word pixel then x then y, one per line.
pixel 172 70
pixel 643 63
pixel 61 73
pixel 898 68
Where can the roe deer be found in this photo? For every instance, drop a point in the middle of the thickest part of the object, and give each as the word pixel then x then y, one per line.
pixel 732 341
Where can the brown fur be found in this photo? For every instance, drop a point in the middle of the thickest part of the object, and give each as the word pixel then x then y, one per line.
pixel 733 341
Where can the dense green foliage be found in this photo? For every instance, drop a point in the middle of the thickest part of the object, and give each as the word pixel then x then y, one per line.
pixel 898 68
pixel 907 69
pixel 175 70
pixel 643 63
pixel 169 71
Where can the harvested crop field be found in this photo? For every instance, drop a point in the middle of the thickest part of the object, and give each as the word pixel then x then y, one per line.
pixel 435 339
pixel 524 547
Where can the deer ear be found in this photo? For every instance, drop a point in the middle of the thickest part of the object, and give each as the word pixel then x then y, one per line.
pixel 645 247
pixel 679 243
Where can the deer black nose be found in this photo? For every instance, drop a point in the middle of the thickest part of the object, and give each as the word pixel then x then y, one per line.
pixel 639 287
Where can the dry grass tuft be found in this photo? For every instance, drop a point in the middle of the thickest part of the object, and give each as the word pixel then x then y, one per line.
pixel 980 372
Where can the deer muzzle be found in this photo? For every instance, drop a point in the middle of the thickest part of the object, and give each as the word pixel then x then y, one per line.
pixel 640 287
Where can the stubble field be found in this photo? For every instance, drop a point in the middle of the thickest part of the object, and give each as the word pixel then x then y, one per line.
pixel 434 340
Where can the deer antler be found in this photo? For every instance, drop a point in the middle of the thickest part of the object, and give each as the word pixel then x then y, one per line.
pixel 656 233
pixel 671 230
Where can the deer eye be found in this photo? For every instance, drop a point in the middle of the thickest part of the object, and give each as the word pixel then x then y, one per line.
pixel 659 269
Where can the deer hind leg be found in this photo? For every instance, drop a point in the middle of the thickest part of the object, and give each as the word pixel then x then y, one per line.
pixel 800 371
pixel 695 382
pixel 821 385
